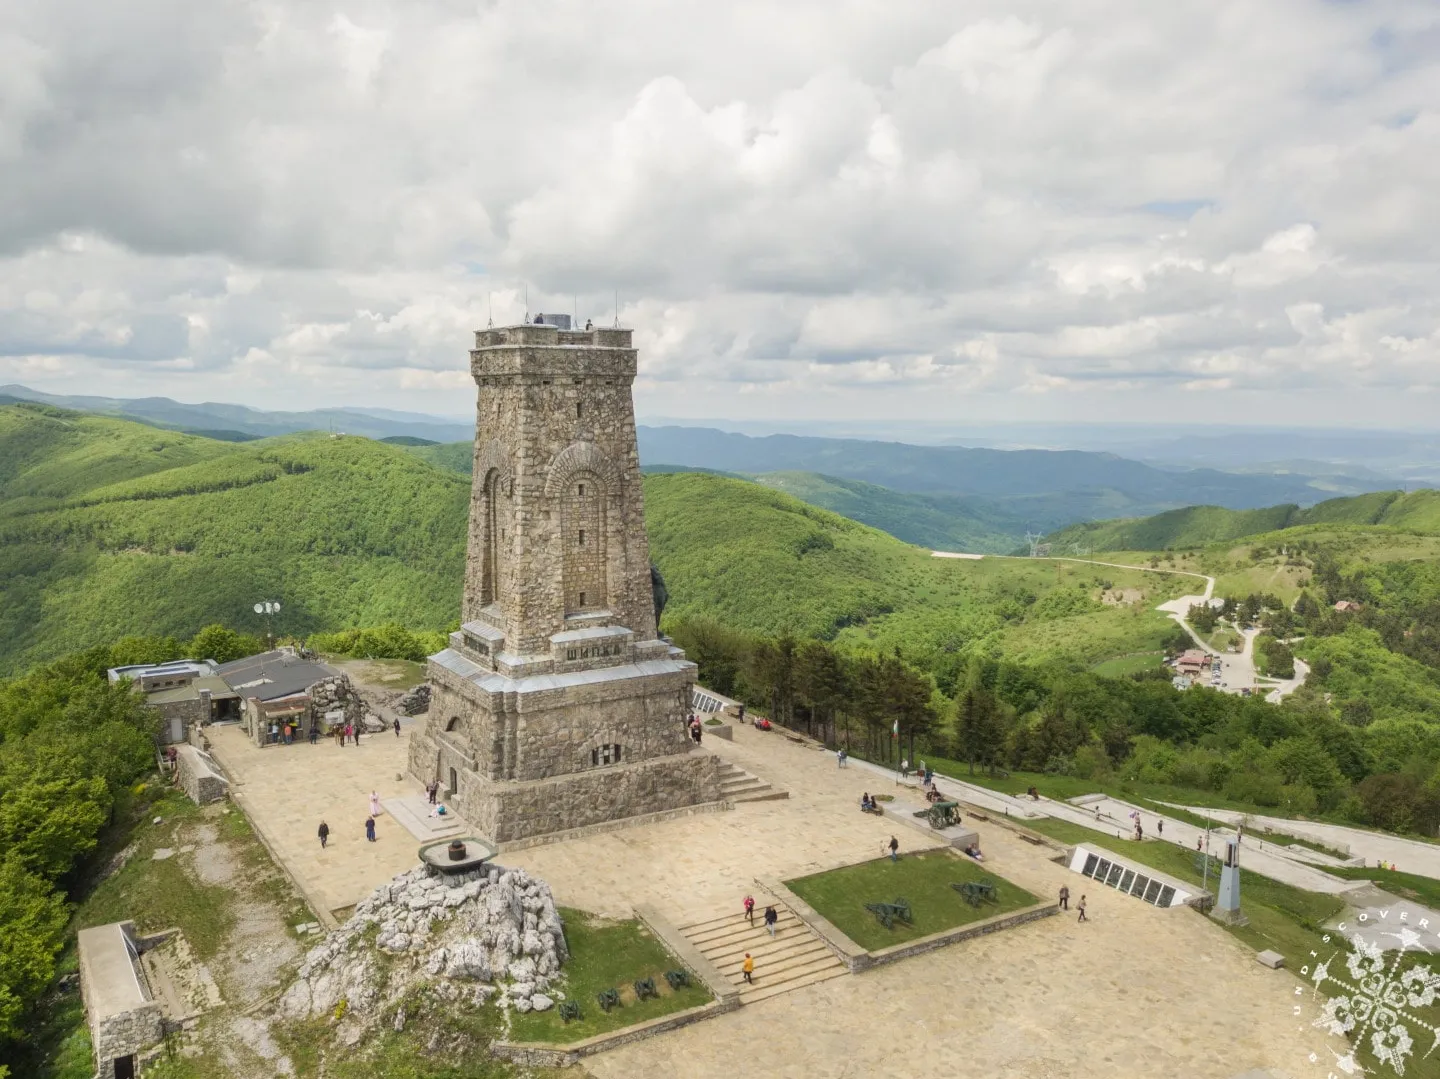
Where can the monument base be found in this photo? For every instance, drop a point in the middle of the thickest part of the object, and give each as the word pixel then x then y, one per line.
pixel 524 757
pixel 1229 917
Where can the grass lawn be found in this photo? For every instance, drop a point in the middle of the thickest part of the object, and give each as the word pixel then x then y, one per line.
pixel 608 955
pixel 841 894
pixel 1286 919
pixel 1123 665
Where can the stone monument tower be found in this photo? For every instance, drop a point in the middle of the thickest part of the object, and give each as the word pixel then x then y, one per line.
pixel 557 705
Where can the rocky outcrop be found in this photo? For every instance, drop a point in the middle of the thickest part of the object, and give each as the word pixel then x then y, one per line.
pixel 416 701
pixel 336 694
pixel 474 934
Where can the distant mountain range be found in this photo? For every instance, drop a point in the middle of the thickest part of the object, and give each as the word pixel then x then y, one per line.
pixel 1042 486
pixel 237 423
pixel 944 496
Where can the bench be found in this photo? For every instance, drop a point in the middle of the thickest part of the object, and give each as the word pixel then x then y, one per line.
pixel 608 998
pixel 678 979
pixel 569 1009
pixel 645 988
pixel 976 892
pixel 887 913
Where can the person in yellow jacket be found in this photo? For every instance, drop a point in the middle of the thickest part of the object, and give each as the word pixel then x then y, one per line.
pixel 749 969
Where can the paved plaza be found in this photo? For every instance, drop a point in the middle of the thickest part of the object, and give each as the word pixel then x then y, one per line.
pixel 1137 991
pixel 286 791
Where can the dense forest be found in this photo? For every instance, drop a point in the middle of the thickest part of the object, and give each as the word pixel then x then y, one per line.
pixel 72 749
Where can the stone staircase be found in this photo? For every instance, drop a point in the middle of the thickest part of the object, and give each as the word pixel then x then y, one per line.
pixel 796 957
pixel 738 785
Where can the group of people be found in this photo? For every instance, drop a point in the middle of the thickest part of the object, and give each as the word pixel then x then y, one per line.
pixel 284 733
pixel 695 732
pixel 869 805
pixel 771 918
pixel 324 830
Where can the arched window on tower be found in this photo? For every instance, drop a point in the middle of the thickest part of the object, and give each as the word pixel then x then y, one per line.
pixel 582 524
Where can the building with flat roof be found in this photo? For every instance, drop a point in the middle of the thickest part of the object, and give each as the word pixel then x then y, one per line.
pixel 187 693
pixel 124 1017
pixel 280 687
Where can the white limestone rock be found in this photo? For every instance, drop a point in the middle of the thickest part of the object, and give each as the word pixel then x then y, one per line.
pixel 541 1003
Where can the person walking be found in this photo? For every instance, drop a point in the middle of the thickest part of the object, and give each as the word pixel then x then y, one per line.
pixel 374 803
pixel 314 733
pixel 840 758
pixel 433 790
pixel 345 734
pixel 748 969
pixel 324 834
pixel 1081 908
pixel 358 728
pixel 370 835
pixel 894 847
pixel 750 909
pixel 397 726
pixel 1064 897
pixel 1160 827
pixel 770 919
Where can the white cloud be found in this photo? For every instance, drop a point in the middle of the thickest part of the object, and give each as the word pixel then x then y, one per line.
pixel 814 208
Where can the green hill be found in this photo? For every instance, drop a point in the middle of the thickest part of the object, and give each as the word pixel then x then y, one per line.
pixel 1199 526
pixel 109 527
pixel 940 522
pixel 760 560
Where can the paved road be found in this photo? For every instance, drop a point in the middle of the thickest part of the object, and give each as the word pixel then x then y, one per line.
pixel 1409 855
pixel 1257 856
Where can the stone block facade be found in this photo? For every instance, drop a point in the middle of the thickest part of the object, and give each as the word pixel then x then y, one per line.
pixel 123 1017
pixel 557 705
pixel 199 776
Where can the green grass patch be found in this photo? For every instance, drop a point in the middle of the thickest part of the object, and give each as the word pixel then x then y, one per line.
pixel 608 955
pixel 158 895
pixel 841 894
pixel 1286 919
pixel 1124 665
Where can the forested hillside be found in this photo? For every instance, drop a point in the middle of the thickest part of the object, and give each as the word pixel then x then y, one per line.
pixel 109 527
pixel 758 560
pixel 940 522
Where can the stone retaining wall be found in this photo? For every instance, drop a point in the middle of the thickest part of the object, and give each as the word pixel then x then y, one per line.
pixel 538 1055
pixel 689 956
pixel 199 776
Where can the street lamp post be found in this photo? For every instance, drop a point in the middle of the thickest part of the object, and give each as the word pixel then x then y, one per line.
pixel 269 608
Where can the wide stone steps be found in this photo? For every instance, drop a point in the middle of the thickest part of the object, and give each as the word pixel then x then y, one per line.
pixel 794 957
pixel 738 785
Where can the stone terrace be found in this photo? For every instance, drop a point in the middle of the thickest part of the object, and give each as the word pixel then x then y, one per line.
pixel 1138 991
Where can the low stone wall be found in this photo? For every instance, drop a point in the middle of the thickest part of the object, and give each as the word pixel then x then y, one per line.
pixel 857 958
pixel 539 1055
pixel 199 776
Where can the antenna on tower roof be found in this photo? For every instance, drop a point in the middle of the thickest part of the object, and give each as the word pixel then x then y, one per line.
pixel 490 304
pixel 527 304
pixel 617 308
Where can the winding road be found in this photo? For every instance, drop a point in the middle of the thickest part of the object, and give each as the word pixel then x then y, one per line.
pixel 1237 669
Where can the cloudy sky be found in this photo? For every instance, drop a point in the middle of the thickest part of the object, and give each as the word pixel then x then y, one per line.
pixel 1100 209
